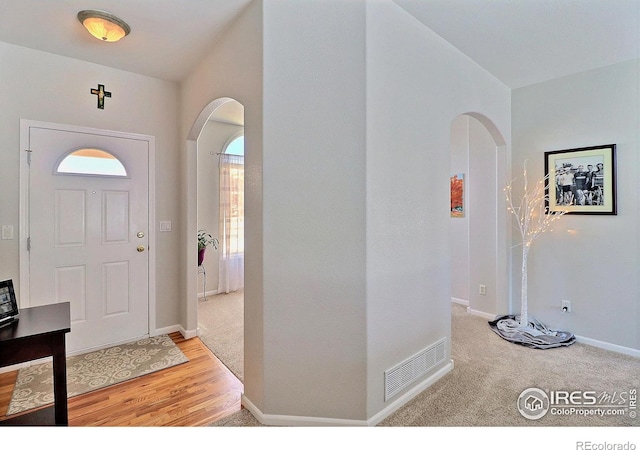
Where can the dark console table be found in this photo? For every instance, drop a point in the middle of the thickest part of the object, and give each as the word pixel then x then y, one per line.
pixel 40 332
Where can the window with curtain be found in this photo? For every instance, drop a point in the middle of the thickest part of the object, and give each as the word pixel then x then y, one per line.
pixel 231 228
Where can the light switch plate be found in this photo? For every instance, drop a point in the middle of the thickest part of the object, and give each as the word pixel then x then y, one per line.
pixel 7 231
pixel 165 225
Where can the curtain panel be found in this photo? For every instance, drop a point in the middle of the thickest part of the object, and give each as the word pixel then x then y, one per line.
pixel 231 227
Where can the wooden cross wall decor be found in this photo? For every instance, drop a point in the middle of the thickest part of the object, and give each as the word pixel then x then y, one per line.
pixel 101 93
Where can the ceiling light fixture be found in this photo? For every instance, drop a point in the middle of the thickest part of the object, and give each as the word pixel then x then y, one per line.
pixel 103 26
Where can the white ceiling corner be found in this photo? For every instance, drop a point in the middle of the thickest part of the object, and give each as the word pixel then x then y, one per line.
pixel 520 42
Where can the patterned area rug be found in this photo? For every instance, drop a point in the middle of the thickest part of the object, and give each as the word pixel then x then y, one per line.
pixel 95 370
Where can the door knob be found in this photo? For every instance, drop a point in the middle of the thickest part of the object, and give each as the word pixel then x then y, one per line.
pixel 140 248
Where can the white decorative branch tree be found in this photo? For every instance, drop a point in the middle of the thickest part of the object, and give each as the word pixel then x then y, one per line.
pixel 533 219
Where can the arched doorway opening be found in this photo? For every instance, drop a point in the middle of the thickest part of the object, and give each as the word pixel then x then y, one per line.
pixel 480 235
pixel 213 311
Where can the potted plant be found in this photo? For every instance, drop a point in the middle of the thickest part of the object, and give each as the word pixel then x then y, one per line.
pixel 204 240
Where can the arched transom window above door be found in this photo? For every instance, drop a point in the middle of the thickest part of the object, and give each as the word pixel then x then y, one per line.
pixel 91 161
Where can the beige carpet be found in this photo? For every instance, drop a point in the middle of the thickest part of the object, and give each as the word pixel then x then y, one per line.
pixel 221 328
pixel 491 373
pixel 94 370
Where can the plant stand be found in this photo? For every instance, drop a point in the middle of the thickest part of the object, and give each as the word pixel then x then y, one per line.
pixel 201 270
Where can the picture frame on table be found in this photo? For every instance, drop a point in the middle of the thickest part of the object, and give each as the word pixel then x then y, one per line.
pixel 8 303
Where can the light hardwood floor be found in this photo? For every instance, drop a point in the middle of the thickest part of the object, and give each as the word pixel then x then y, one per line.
pixel 195 393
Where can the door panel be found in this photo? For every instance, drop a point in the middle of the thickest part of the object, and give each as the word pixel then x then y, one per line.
pixel 70 225
pixel 115 292
pixel 70 284
pixel 116 217
pixel 83 231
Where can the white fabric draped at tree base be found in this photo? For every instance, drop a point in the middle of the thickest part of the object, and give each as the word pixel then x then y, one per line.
pixel 536 335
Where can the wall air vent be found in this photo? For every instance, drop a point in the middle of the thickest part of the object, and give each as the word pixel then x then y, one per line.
pixel 402 375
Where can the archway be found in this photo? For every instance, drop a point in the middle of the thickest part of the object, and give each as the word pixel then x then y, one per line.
pixel 218 124
pixel 480 236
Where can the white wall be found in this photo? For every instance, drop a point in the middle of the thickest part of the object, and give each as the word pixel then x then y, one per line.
pixel 477 257
pixel 314 208
pixel 304 200
pixel 459 226
pixel 344 269
pixel 233 69
pixel 416 85
pixel 593 261
pixel 484 199
pixel 40 86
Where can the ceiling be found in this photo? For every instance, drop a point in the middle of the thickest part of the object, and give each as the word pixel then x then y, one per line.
pixel 167 36
pixel 520 42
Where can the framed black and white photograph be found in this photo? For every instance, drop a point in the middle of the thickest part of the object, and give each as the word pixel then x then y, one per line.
pixel 582 180
pixel 8 303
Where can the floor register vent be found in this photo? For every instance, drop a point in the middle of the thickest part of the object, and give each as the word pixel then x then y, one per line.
pixel 402 375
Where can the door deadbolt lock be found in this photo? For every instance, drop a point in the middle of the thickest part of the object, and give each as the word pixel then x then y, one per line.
pixel 140 248
pixel 140 234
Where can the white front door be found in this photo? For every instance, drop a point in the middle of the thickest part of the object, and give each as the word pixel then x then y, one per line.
pixel 89 233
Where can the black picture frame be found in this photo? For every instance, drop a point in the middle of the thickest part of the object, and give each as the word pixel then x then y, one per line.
pixel 576 189
pixel 8 303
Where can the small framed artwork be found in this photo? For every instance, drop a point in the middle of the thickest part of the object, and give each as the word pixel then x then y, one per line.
pixel 457 195
pixel 8 304
pixel 581 180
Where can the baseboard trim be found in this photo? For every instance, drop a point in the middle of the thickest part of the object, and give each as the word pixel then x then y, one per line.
pixel 608 346
pixel 460 301
pixel 168 330
pixel 208 294
pixel 483 314
pixel 301 421
pixel 474 312
pixel 187 334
